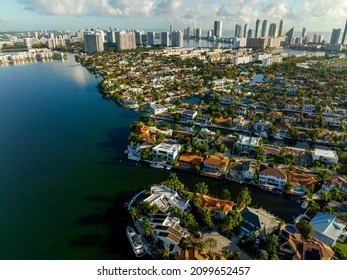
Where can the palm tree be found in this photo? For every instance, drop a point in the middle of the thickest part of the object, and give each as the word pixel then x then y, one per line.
pixel 166 253
pixel 210 243
pixel 148 228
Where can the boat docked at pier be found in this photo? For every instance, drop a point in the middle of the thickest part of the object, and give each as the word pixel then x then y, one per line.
pixel 135 242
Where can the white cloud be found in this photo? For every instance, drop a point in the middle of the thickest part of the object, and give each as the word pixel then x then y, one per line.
pixel 314 13
pixel 2 19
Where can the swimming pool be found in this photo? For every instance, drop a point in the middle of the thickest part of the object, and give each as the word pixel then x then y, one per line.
pixel 299 190
pixel 290 228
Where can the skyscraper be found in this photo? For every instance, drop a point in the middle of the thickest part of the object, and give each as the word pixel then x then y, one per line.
pixel 257 23
pixel 198 32
pixel 164 36
pixel 245 31
pixel 126 40
pixel 280 30
pixel 290 36
pixel 138 37
pixel 93 41
pixel 303 34
pixel 249 33
pixel 111 36
pixel 150 38
pixel 344 34
pixel 273 30
pixel 335 36
pixel 238 30
pixel 217 30
pixel 177 39
pixel 264 29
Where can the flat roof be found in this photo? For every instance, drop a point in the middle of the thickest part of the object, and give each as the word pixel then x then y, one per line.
pixel 325 153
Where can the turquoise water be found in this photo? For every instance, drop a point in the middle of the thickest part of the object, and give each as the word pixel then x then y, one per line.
pixel 64 179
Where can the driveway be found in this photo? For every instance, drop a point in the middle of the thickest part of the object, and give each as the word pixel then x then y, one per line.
pixel 223 242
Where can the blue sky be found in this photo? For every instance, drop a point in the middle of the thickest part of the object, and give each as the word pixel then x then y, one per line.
pixel 315 15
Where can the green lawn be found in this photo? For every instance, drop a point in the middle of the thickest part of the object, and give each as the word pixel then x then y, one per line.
pixel 342 246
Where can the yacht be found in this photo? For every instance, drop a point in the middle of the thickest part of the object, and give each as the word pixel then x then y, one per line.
pixel 156 165
pixel 135 242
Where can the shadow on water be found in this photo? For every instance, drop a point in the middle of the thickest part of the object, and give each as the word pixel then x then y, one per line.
pixel 113 243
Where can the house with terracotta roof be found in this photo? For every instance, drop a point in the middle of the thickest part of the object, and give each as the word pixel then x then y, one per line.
pixel 302 179
pixel 336 182
pixel 188 160
pixel 214 164
pixel 219 208
pixel 297 248
pixel 272 175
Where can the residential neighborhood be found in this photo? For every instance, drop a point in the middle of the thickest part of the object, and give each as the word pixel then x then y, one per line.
pixel 280 128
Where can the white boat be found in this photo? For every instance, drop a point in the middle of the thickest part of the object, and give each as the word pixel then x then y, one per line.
pixel 156 165
pixel 278 136
pixel 304 205
pixel 168 167
pixel 135 242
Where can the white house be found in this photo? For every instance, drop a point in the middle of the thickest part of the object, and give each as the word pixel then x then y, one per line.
pixel 249 169
pixel 167 151
pixel 166 198
pixel 325 156
pixel 188 115
pixel 272 175
pixel 168 229
pixel 246 144
pixel 158 109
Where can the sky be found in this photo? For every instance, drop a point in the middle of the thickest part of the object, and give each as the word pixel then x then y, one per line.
pixel 29 15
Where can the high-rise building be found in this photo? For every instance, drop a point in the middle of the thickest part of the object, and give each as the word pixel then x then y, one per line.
pixel 150 38
pixel 93 41
pixel 257 23
pixel 165 38
pixel 177 39
pixel 280 29
pixel 335 36
pixel 138 37
pixel 198 32
pixel 290 36
pixel 126 40
pixel 238 30
pixel 264 29
pixel 249 33
pixel 217 30
pixel 111 37
pixel 303 34
pixel 344 34
pixel 245 31
pixel 273 30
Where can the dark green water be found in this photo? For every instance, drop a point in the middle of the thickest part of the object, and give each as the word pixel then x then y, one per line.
pixel 63 176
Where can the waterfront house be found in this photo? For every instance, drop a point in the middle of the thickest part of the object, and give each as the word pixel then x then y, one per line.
pixel 247 144
pixel 327 229
pixel 249 169
pixel 291 117
pixel 282 129
pixel 302 179
pixel 260 126
pixel 336 182
pixel 309 108
pixel 157 109
pixel 188 115
pixel 166 198
pixel 258 222
pixel 188 161
pixel 168 229
pixel 332 122
pixel 327 110
pixel 226 99
pixel 218 208
pixel 292 105
pixel 241 124
pixel 272 175
pixel 297 248
pixel 277 115
pixel 325 156
pixel 203 120
pixel 239 110
pixel 214 164
pixel 167 152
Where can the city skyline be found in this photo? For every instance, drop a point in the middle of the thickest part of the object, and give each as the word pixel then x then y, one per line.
pixel 23 15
